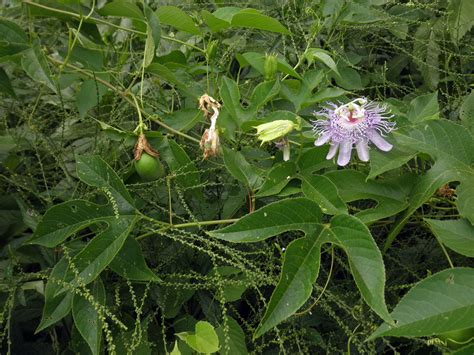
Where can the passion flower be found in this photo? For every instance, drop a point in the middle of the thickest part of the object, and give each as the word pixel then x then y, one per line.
pixel 358 123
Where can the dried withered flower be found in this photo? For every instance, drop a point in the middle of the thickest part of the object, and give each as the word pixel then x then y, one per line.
pixel 210 143
pixel 210 139
pixel 208 105
pixel 143 145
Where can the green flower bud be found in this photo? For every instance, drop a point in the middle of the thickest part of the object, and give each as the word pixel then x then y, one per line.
pixel 273 130
pixel 211 49
pixel 270 67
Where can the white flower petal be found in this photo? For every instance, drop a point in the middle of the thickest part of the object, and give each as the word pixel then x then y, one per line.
pixel 332 151
pixel 363 150
pixel 286 152
pixel 379 142
pixel 344 154
pixel 322 139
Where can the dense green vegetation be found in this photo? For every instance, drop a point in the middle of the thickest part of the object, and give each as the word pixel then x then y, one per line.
pixel 161 190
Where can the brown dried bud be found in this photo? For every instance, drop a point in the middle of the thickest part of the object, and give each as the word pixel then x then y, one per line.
pixel 207 105
pixel 143 145
pixel 446 192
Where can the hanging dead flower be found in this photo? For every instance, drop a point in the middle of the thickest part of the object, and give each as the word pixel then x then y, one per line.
pixel 210 143
pixel 210 139
pixel 143 145
pixel 208 105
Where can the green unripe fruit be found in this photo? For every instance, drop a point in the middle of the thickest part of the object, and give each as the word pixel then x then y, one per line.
pixel 456 339
pixel 149 168
pixel 270 67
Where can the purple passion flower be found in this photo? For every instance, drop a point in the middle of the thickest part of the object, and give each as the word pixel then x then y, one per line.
pixel 358 123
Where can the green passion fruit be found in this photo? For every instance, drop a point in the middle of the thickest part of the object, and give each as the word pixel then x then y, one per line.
pixel 149 168
pixel 459 338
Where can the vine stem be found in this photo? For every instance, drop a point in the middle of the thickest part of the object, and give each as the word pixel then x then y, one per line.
pixel 205 223
pixel 140 118
pixel 76 35
pixel 165 226
pixel 170 205
pixel 104 22
pixel 126 96
pixel 451 265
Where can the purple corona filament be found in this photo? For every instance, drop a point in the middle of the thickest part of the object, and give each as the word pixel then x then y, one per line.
pixel 357 123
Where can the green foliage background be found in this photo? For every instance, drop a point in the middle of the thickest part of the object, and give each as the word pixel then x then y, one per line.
pixel 95 260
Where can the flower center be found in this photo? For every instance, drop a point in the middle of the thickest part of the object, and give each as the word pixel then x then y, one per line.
pixel 350 115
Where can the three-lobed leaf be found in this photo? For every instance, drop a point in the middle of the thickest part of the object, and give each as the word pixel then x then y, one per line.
pixel 230 16
pixel 89 96
pixel 5 84
pixel 56 306
pixel 82 267
pixel 301 267
pixel 230 95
